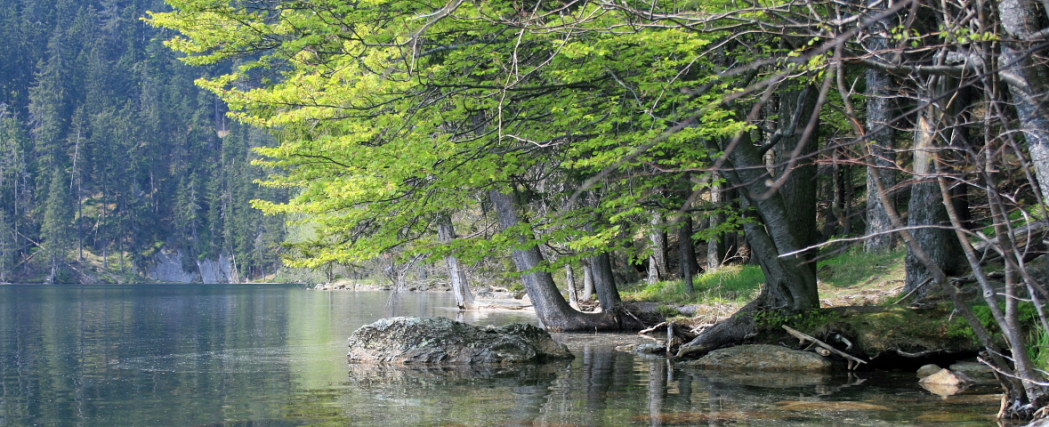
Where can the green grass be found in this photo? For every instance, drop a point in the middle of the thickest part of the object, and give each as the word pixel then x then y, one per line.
pixel 727 284
pixel 849 272
pixel 857 268
pixel 1038 348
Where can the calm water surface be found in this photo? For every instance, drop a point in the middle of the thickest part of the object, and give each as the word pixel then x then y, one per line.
pixel 274 356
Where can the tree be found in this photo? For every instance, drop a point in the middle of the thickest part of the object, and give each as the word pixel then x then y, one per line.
pixel 57 217
pixel 486 132
pixel 608 92
pixel 460 287
pixel 879 131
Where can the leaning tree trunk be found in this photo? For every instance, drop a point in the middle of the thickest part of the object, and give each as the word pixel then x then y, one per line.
pixel 602 275
pixel 464 299
pixel 605 281
pixel 790 281
pixel 550 306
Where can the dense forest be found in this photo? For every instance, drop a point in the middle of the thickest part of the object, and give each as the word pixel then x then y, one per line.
pixel 113 162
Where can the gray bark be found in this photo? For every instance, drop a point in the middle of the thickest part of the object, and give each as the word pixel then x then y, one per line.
pixel 573 297
pixel 879 136
pixel 464 299
pixel 790 282
pixel 588 283
pixel 603 277
pixel 716 245
pixel 687 253
pixel 604 281
pixel 653 271
pixel 796 108
pixel 926 209
pixel 1028 84
pixel 551 308
pixel 657 237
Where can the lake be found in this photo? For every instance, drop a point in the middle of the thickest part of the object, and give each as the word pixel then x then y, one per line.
pixel 274 356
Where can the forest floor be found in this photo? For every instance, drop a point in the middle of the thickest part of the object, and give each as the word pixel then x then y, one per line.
pixel 861 300
pixel 846 278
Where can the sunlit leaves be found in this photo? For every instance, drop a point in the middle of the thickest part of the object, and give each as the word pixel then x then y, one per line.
pixel 391 112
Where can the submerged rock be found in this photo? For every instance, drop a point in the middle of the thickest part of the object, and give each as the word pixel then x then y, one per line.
pixel 946 382
pixel 762 357
pixel 927 370
pixel 977 372
pixel 650 348
pixel 947 377
pixel 437 340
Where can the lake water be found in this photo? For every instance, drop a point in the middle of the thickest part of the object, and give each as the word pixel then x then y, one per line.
pixel 274 356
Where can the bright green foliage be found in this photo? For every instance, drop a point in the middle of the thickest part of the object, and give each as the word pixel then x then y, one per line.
pixel 392 112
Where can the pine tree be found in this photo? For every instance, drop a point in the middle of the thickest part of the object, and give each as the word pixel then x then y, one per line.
pixel 55 229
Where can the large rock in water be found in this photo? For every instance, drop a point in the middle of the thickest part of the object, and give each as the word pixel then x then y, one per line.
pixel 437 340
pixel 762 357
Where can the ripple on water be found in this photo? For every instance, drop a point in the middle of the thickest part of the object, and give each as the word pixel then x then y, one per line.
pixel 234 361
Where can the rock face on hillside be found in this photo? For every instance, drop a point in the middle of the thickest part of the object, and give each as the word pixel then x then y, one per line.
pixel 437 340
pixel 170 266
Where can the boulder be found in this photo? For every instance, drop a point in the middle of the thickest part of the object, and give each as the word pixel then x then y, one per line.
pixel 762 357
pixel 437 340
pixel 947 377
pixel 927 370
pixel 651 348
pixel 946 383
pixel 977 372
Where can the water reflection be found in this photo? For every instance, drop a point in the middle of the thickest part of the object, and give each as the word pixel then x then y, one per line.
pixel 275 356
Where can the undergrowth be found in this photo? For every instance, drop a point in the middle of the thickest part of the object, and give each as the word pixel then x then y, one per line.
pixel 736 283
pixel 857 268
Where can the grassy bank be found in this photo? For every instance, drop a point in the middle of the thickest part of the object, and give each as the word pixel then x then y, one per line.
pixel 848 278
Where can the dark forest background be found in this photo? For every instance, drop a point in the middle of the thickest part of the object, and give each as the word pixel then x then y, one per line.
pixel 109 154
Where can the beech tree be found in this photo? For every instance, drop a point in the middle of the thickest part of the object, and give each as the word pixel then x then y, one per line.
pixel 390 113
pixel 384 127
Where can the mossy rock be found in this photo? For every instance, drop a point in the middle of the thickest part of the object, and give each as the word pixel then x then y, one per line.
pixel 872 331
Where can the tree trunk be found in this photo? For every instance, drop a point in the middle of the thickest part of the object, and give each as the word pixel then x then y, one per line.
pixel 687 252
pixel 588 282
pixel 1028 83
pixel 790 281
pixel 553 311
pixel 573 297
pixel 657 237
pixel 604 278
pixel 716 245
pixel 879 136
pixel 464 299
pixel 604 281
pixel 796 158
pixel 926 209
pixel 653 271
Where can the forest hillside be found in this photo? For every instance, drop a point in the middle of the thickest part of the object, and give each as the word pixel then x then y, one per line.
pixel 114 166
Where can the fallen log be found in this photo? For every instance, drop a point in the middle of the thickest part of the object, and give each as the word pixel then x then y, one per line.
pixel 853 361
